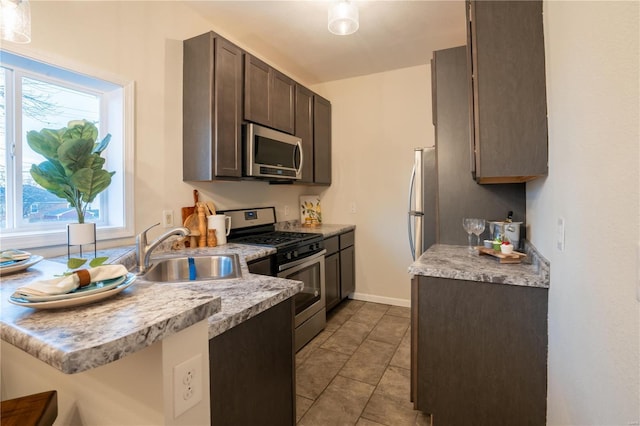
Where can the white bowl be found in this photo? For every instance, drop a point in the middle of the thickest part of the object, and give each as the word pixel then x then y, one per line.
pixel 506 248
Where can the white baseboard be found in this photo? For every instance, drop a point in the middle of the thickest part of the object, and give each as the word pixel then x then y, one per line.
pixel 380 299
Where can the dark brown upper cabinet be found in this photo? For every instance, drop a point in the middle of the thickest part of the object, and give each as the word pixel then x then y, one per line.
pixel 304 130
pixel 222 85
pixel 313 125
pixel 506 64
pixel 269 96
pixel 321 140
pixel 212 109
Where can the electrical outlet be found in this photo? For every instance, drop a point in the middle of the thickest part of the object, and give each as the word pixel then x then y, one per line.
pixel 352 208
pixel 187 385
pixel 167 218
pixel 286 211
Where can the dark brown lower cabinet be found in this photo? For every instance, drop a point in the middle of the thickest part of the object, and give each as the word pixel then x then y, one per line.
pixel 347 271
pixel 332 280
pixel 252 370
pixel 340 268
pixel 478 352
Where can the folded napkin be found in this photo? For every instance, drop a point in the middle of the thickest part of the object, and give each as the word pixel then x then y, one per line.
pixel 14 254
pixel 62 285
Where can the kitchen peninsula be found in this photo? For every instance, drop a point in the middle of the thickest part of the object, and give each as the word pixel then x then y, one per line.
pixel 112 361
pixel 479 337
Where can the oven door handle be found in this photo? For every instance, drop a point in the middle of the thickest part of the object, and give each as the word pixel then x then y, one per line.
pixel 301 261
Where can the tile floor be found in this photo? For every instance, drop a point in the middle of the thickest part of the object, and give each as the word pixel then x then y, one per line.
pixel 356 371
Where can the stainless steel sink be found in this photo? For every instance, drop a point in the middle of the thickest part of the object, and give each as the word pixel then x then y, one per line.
pixel 203 268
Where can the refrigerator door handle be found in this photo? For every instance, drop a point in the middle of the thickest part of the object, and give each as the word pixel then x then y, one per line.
pixel 413 214
pixel 410 212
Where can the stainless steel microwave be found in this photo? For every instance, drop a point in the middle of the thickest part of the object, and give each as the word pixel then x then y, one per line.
pixel 272 154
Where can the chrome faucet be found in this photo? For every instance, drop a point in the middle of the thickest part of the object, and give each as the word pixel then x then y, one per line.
pixel 143 250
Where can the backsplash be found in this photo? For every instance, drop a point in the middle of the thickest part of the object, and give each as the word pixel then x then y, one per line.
pixel 536 259
pixel 287 224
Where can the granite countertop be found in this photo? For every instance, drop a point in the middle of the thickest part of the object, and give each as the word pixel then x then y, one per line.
pixel 242 298
pixel 327 230
pixel 84 337
pixel 455 262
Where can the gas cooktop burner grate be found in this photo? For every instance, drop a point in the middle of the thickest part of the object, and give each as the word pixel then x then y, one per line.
pixel 276 238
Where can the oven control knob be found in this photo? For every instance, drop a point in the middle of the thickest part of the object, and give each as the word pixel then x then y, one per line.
pixel 288 256
pixel 295 253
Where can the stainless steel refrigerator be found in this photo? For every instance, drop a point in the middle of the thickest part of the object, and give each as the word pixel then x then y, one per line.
pixel 442 190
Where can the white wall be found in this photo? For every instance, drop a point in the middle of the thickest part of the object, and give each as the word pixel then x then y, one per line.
pixel 592 56
pixel 377 121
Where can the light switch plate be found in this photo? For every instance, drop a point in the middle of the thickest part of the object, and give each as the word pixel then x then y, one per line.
pixel 167 218
pixel 638 272
pixel 560 234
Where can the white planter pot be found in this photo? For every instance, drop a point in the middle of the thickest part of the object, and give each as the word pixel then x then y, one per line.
pixel 81 233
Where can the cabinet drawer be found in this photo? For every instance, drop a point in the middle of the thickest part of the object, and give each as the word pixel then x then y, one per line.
pixel 347 239
pixel 331 244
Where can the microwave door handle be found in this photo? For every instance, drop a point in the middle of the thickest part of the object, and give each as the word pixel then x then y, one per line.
pixel 299 146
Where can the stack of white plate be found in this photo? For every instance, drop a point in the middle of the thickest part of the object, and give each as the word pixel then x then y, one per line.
pixel 93 292
pixel 13 260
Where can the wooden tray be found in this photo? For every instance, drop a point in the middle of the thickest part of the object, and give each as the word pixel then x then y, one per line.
pixel 515 257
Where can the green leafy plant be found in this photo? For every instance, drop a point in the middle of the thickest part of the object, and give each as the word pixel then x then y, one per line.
pixel 74 168
pixel 75 262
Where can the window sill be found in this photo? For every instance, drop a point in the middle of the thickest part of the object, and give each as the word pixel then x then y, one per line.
pixel 58 237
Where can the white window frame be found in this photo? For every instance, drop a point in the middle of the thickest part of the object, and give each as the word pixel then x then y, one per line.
pixel 122 153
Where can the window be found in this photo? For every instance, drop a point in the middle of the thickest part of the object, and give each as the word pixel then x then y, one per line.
pixel 33 96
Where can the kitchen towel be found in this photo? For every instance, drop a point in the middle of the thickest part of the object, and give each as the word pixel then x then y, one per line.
pixel 66 284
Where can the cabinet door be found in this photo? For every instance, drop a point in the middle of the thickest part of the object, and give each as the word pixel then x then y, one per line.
pixel 228 108
pixel 347 271
pixel 509 94
pixel 322 140
pixel 332 280
pixel 212 116
pixel 282 102
pixel 252 370
pixel 257 91
pixel 304 130
pixel 479 342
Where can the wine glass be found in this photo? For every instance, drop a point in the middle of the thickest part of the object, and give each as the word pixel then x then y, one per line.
pixel 478 229
pixel 469 225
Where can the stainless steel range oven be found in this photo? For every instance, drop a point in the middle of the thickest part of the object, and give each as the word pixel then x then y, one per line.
pixel 299 256
pixel 310 302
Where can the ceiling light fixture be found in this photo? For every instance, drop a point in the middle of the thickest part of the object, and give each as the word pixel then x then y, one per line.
pixel 15 21
pixel 343 18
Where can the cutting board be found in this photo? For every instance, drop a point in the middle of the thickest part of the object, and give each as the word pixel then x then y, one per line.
pixel 515 257
pixel 188 211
